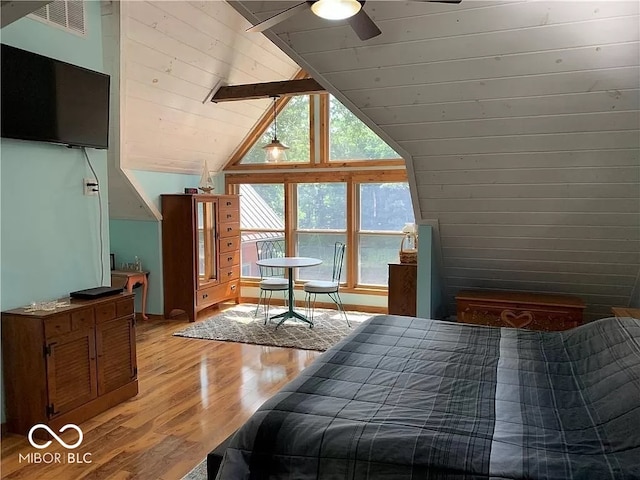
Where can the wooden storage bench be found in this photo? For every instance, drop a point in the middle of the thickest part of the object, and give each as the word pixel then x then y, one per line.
pixel 519 310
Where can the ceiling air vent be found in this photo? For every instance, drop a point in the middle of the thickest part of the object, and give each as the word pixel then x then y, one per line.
pixel 67 14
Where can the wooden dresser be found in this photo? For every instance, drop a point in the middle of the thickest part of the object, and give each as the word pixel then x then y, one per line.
pixel 68 365
pixel 519 310
pixel 200 251
pixel 402 289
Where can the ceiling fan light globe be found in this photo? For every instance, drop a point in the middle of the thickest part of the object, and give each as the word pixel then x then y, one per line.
pixel 336 9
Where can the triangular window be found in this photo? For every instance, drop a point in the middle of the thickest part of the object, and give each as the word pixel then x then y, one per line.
pixel 319 131
pixel 350 139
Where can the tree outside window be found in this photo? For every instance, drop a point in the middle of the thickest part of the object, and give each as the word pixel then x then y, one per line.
pixel 350 139
pixel 384 209
pixel 293 131
pixel 322 221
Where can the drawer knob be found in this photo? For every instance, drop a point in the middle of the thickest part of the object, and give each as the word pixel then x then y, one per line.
pixel 233 287
pixel 229 215
pixel 228 204
pixel 516 320
pixel 229 259
pixel 229 244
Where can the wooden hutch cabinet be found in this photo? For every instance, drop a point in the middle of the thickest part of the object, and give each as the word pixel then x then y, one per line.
pixel 200 251
pixel 68 365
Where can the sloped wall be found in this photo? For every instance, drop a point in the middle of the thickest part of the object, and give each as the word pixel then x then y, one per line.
pixel 520 125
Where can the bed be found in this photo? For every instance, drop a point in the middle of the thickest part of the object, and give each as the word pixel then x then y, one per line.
pixel 406 397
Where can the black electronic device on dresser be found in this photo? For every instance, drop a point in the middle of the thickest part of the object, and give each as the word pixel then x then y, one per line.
pixel 96 292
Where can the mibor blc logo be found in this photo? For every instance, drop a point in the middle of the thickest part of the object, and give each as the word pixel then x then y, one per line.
pixel 55 457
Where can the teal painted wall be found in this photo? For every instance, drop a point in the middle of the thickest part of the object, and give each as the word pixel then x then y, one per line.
pixel 429 303
pixel 423 287
pixel 49 241
pixel 438 310
pixel 130 238
pixel 155 184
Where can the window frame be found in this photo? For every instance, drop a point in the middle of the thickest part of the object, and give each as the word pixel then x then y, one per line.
pixel 319 169
pixel 353 179
pixel 319 148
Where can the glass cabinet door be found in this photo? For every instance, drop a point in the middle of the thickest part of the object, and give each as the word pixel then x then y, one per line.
pixel 207 255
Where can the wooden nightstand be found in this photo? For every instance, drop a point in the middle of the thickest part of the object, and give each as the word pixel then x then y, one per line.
pixel 626 312
pixel 402 289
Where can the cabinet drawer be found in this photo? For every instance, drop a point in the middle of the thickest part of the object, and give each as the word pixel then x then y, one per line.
pixel 229 216
pixel 231 289
pixel 230 273
pixel 230 203
pixel 216 294
pixel 57 325
pixel 229 229
pixel 229 244
pixel 205 296
pixel 124 308
pixel 229 259
pixel 82 319
pixel 105 312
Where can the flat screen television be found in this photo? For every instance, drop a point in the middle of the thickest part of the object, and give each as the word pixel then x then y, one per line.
pixel 52 101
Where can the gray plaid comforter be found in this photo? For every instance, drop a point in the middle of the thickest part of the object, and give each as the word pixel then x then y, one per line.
pixel 408 398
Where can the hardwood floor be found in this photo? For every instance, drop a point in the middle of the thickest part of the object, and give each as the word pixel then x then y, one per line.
pixel 193 394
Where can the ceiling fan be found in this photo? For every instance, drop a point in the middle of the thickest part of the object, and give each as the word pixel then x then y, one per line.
pixel 351 10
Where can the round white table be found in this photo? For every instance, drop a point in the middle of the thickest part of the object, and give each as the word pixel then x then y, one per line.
pixel 290 263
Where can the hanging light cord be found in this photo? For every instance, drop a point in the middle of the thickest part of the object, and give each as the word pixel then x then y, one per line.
pixel 275 118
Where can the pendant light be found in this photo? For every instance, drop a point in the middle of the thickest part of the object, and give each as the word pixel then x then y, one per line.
pixel 275 151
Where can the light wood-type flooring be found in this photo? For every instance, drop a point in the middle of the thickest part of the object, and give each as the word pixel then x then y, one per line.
pixel 193 394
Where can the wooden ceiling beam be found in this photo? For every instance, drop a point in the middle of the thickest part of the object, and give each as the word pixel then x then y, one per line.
pixel 303 86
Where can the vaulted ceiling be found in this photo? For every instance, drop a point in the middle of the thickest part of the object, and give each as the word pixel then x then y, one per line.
pixel 173 54
pixel 519 122
pixel 165 58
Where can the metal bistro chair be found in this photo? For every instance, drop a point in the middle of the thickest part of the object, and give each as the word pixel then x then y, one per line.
pixel 271 279
pixel 330 288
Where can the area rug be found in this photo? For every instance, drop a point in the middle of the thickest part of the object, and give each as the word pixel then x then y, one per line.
pixel 238 324
pixel 198 473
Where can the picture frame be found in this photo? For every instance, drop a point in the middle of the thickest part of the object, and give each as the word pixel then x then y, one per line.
pixel 112 257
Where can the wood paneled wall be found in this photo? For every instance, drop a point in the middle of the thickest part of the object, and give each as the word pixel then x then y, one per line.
pixel 520 124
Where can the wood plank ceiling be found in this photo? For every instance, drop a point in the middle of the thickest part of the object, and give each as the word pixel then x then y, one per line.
pixel 164 59
pixel 519 122
pixel 171 56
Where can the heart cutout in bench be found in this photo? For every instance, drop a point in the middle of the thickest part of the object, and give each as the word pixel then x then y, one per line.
pixel 516 320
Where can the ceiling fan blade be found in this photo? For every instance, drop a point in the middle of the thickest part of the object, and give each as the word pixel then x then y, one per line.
pixel 444 1
pixel 279 17
pixel 363 26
